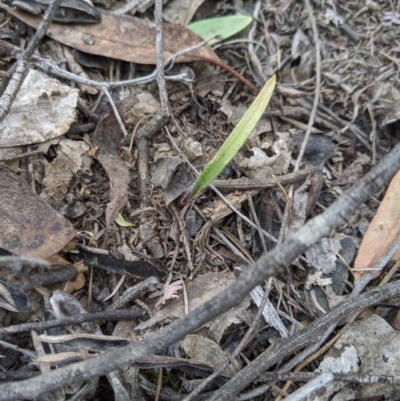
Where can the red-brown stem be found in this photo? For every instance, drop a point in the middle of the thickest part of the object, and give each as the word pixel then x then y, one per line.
pixel 228 68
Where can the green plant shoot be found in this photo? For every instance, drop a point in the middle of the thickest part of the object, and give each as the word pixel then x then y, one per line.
pixel 224 27
pixel 236 139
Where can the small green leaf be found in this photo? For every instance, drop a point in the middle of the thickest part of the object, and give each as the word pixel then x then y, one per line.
pixel 122 222
pixel 224 27
pixel 236 139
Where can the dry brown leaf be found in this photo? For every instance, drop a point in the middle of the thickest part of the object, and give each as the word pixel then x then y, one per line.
pixel 72 156
pixel 382 237
pixel 122 37
pixel 29 226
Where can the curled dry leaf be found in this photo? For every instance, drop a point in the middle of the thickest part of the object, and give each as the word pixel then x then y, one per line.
pixel 29 225
pixel 13 298
pixel 122 37
pixel 382 238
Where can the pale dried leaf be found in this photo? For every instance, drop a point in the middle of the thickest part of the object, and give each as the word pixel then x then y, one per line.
pixel 43 109
pixel 260 165
pixel 65 305
pixel 323 254
pixel 66 165
pixel 222 323
pixel 368 347
pixel 204 350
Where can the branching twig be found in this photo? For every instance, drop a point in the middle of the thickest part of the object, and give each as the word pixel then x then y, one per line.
pixel 142 143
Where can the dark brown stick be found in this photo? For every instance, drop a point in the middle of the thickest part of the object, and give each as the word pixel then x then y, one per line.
pixel 242 184
pixel 123 314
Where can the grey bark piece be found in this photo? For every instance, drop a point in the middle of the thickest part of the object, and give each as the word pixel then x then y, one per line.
pixel 150 242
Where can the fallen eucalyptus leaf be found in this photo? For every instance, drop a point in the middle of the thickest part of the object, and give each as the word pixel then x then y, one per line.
pixel 122 37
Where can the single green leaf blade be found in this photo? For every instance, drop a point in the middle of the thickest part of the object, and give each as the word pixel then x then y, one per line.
pixel 225 27
pixel 237 137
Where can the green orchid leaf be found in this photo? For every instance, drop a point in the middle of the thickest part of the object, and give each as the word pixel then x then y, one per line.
pixel 224 27
pixel 236 139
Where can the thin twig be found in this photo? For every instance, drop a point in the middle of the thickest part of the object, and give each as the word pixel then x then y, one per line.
pixel 257 222
pixel 313 110
pixel 313 113
pixel 160 58
pixel 115 110
pixel 49 66
pixel 23 155
pixel 42 28
pixel 123 314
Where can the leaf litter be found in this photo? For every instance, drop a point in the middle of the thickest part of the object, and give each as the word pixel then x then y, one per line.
pixel 355 124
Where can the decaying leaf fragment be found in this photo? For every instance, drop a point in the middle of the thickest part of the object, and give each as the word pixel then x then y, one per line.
pixel 72 156
pixel 367 347
pixel 29 225
pixel 43 109
pixel 204 350
pixel 382 238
